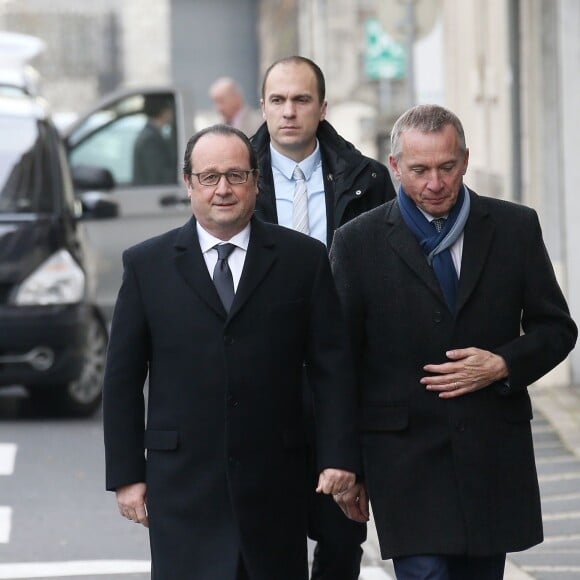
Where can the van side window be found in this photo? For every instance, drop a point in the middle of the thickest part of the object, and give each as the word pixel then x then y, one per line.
pixel 135 139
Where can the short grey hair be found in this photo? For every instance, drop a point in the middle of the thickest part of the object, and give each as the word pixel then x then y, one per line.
pixel 426 119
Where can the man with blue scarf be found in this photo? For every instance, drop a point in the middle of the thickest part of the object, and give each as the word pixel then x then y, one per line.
pixel 454 311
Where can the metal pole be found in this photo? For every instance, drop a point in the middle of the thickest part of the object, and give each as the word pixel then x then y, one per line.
pixel 410 29
pixel 516 122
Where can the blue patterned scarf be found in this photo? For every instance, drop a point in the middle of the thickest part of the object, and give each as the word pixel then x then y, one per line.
pixel 435 245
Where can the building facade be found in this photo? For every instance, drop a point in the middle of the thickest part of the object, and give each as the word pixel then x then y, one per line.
pixel 509 68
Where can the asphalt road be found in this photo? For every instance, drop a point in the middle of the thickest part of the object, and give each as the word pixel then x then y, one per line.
pixel 56 518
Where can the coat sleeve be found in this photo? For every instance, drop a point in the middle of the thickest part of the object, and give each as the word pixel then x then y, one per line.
pixel 330 376
pixel 549 333
pixel 346 277
pixel 123 396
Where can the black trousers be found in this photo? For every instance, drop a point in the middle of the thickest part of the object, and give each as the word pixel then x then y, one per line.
pixel 241 573
pixel 450 567
pixel 338 552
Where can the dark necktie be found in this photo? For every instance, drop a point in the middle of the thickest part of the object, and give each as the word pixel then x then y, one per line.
pixel 222 275
pixel 445 270
pixel 438 224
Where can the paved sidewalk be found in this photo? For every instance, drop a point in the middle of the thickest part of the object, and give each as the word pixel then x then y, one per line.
pixel 560 408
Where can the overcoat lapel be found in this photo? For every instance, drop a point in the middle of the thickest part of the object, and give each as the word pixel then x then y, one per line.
pixel 477 237
pixel 404 243
pixel 191 265
pixel 259 259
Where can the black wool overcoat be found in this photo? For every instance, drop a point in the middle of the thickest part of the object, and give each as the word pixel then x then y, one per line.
pixel 453 476
pixel 225 438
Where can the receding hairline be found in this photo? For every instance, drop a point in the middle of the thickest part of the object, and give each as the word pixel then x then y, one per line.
pixel 299 61
pixel 220 129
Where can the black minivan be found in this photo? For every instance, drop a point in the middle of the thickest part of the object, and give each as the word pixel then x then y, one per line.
pixel 53 337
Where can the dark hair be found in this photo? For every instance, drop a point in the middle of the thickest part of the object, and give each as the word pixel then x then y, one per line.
pixel 220 129
pixel 320 83
pixel 426 119
pixel 154 105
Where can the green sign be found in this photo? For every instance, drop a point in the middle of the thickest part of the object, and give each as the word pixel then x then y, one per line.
pixel 384 58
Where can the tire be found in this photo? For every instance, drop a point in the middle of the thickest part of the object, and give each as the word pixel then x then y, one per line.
pixel 81 397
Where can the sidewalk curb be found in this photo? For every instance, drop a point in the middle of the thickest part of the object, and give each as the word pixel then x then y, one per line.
pixel 512 572
pixel 560 406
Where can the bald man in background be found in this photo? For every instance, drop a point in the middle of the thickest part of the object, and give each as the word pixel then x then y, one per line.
pixel 228 100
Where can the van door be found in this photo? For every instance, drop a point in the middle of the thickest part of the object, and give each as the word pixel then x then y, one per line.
pixel 139 136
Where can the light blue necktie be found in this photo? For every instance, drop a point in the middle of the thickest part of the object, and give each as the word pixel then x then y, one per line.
pixel 300 203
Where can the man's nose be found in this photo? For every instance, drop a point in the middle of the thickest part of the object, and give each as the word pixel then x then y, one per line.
pixel 222 186
pixel 435 182
pixel 289 109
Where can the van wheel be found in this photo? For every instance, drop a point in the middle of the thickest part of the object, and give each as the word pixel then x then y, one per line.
pixel 83 396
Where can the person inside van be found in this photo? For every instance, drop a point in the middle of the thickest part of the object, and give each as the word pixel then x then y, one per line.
pixel 154 161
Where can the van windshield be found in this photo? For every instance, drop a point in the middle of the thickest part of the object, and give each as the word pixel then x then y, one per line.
pixel 26 172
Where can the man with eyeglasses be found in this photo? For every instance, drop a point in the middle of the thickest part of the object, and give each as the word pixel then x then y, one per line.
pixel 217 469
pixel 313 180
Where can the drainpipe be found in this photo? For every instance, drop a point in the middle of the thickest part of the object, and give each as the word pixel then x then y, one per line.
pixel 516 121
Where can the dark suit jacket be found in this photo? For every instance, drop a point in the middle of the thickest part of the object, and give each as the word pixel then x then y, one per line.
pixel 154 162
pixel 452 476
pixel 225 438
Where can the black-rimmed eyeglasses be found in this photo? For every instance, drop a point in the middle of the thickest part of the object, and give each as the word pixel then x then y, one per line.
pixel 234 177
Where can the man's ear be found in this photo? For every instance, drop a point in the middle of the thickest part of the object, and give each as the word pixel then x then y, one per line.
pixel 394 167
pixel 465 161
pixel 323 110
pixel 187 183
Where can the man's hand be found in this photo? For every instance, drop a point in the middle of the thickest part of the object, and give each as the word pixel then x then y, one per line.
pixel 354 503
pixel 470 369
pixel 333 481
pixel 131 500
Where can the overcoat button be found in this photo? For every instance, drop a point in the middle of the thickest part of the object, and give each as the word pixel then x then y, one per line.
pixel 437 317
pixel 358 192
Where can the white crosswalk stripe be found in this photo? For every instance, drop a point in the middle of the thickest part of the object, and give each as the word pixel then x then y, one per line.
pixel 5 524
pixel 373 573
pixel 7 459
pixel 108 567
pixel 76 568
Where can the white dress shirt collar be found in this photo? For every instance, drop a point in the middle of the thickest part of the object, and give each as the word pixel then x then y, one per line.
pixel 207 241
pixel 429 217
pixel 286 166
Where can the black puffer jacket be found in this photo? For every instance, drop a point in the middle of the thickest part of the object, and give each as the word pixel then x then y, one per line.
pixel 353 183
